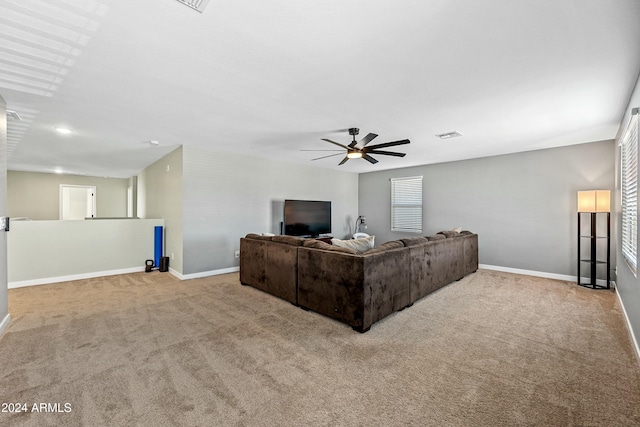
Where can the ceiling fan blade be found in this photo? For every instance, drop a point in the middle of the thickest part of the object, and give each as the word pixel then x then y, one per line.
pixel 324 157
pixel 336 143
pixel 364 141
pixel 389 144
pixel 367 139
pixel 369 159
pixel 386 153
pixel 320 150
pixel 343 161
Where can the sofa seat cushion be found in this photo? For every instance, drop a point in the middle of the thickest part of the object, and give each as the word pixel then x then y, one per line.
pixel 360 245
pixel 318 244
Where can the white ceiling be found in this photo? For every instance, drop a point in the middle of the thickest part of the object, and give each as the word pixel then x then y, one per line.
pixel 270 78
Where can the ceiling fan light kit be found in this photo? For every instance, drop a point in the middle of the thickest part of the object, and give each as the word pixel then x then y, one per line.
pixel 359 149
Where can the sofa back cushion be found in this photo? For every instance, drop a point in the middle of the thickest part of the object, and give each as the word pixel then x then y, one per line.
pixel 436 237
pixel 449 233
pixel 411 241
pixel 394 244
pixel 255 236
pixel 318 244
pixel 289 240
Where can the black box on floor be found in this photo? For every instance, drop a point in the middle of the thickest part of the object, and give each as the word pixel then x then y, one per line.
pixel 164 264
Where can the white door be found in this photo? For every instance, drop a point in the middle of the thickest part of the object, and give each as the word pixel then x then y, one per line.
pixel 77 202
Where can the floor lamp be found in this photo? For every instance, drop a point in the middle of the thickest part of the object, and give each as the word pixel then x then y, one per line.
pixel 594 202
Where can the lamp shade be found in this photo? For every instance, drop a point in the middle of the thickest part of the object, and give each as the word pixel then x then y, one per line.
pixel 594 201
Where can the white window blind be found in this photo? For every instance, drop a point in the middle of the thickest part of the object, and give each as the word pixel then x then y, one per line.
pixel 629 191
pixel 406 204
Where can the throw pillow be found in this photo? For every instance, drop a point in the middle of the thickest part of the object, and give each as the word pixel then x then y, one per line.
pixel 457 229
pixel 360 245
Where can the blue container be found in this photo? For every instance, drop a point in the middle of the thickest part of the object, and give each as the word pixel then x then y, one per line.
pixel 157 245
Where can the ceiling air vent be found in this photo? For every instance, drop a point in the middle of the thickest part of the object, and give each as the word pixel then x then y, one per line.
pixel 198 5
pixel 13 115
pixel 449 135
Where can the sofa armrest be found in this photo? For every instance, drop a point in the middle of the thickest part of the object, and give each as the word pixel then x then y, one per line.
pixel 270 266
pixel 470 264
pixel 358 290
pixel 253 262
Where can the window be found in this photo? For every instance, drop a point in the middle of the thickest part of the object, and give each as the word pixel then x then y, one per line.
pixel 406 204
pixel 629 191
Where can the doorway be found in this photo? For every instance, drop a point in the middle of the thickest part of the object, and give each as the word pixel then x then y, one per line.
pixel 77 202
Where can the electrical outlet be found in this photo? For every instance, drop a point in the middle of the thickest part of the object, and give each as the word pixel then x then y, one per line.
pixel 173 257
pixel 237 254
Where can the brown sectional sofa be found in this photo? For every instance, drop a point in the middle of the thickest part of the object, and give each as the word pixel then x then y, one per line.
pixel 358 289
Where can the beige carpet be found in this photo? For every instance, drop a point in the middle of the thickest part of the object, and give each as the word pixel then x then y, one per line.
pixel 493 349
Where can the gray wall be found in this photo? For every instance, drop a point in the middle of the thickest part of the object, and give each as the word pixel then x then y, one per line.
pixel 227 196
pixel 159 189
pixel 523 206
pixel 37 195
pixel 628 284
pixel 4 302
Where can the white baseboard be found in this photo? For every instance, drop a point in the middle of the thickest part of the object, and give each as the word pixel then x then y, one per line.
pixel 203 273
pixel 565 277
pixel 49 280
pixel 634 341
pixel 5 323
pixel 529 272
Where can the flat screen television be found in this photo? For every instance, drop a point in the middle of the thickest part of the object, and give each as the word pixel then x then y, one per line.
pixel 307 217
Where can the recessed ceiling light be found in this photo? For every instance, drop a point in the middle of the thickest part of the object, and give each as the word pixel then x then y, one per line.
pixel 63 131
pixel 449 135
pixel 154 142
pixel 61 171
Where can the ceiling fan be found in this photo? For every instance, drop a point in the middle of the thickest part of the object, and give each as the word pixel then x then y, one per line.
pixel 359 149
